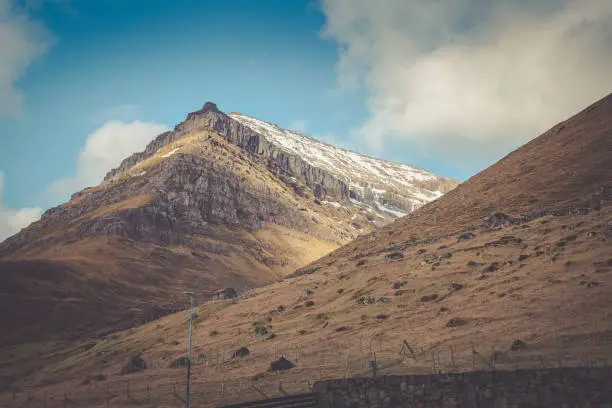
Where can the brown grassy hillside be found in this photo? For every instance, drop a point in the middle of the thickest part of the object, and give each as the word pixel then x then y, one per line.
pixel 521 251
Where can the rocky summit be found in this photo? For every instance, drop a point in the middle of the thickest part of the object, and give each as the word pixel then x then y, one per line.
pixel 223 200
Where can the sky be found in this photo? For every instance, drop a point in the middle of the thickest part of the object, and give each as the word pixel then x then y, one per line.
pixel 449 86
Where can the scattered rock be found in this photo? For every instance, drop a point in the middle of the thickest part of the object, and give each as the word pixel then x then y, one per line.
pixel 395 256
pixel 135 364
pixel 444 309
pixel 308 292
pixel 361 262
pixel 442 247
pixel 382 316
pixel 474 264
pixel 366 300
pixel 384 300
pixel 340 291
pixel 342 329
pixel 396 285
pixel 492 267
pixel 456 322
pixel 302 332
pixel 522 257
pixel 298 307
pixel 446 255
pixel 518 345
pixel 309 303
pixel 429 298
pixel 322 316
pixel 271 336
pixel 468 235
pixel 241 352
pixel 281 364
pixel 280 308
pixel 260 331
pixel 213 333
pixel 505 240
pixel 456 286
pixel 592 284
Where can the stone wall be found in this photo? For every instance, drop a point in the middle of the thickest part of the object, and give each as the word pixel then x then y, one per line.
pixel 562 387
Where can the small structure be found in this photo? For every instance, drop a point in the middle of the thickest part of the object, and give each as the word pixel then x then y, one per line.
pixel 226 293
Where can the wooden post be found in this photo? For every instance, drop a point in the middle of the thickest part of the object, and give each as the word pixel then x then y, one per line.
pixel 433 361
pixel 453 357
pixel 473 358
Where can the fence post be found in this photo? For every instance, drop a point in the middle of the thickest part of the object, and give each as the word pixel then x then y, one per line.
pixel 433 361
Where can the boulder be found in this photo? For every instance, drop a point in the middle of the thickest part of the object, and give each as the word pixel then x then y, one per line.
pixel 281 364
pixel 135 364
pixel 241 352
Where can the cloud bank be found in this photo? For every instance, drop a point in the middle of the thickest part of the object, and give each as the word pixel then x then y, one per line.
pixel 22 40
pixel 104 149
pixel 12 221
pixel 471 77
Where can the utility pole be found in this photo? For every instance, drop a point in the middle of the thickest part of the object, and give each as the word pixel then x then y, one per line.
pixel 191 305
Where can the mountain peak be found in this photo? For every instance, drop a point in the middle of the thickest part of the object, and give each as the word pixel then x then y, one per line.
pixel 210 107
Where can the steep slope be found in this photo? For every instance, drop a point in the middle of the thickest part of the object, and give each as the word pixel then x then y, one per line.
pixel 210 204
pixel 515 263
pixel 377 185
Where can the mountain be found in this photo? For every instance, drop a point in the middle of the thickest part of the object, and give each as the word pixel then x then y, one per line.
pixel 511 268
pixel 221 200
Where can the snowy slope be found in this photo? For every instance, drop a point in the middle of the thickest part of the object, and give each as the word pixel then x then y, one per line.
pixel 393 189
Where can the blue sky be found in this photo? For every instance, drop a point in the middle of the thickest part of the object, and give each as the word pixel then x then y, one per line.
pixel 402 80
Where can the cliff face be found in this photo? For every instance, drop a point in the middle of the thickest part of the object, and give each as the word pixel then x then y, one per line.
pixel 221 200
pixel 385 189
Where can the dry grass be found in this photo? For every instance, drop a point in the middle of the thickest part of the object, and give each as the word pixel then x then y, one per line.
pixel 539 301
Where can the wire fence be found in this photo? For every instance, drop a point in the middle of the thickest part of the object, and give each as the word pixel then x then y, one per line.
pixel 219 379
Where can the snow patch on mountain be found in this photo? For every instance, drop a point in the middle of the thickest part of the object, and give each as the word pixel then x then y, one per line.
pixel 354 168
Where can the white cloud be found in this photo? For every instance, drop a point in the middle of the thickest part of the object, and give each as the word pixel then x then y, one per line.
pixel 471 73
pixel 22 40
pixel 12 221
pixel 104 149
pixel 299 126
